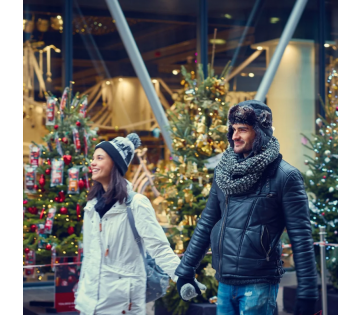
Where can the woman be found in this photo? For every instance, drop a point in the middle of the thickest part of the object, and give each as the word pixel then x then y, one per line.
pixel 113 278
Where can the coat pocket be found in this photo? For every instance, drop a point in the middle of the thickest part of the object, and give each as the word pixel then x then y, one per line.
pixel 265 241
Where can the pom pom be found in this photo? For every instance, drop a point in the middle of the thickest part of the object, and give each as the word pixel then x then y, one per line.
pixel 134 138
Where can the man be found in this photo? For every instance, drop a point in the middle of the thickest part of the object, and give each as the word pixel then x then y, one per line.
pixel 255 194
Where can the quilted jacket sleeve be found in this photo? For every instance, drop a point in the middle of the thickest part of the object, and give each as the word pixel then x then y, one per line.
pixel 297 220
pixel 200 241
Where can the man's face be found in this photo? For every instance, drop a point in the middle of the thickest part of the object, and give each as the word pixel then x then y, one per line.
pixel 243 137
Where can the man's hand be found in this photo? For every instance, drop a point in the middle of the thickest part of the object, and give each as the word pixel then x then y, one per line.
pixel 189 288
pixel 305 307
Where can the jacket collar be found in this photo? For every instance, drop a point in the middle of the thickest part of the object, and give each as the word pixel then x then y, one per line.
pixel 272 167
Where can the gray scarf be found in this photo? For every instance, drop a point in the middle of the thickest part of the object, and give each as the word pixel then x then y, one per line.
pixel 247 171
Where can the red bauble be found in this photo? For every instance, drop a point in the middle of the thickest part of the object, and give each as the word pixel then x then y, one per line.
pixel 323 214
pixel 81 183
pixel 94 139
pixel 78 211
pixel 90 171
pixel 48 246
pixel 67 159
pixel 71 230
pixel 32 210
pixel 63 210
pixel 61 194
pixel 36 187
pixel 61 200
pixel 27 250
pixel 78 123
pixel 48 171
pixel 56 127
pixel 33 228
pixel 42 180
pixel 57 199
pixel 330 138
pixel 324 176
pixel 25 202
pixel 49 162
pixel 65 140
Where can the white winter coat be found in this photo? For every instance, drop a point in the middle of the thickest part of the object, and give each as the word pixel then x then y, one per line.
pixel 108 284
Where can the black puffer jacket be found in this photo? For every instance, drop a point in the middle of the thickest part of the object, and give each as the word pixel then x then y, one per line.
pixel 244 231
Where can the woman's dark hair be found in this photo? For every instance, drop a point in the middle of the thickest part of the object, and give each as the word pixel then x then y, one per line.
pixel 117 188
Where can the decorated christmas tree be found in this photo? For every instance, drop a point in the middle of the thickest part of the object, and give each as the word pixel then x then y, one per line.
pixel 321 180
pixel 56 182
pixel 198 127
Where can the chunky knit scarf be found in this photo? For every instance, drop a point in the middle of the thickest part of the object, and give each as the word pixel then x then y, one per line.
pixel 235 175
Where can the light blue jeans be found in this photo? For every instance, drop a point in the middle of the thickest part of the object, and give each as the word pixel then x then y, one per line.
pixel 248 299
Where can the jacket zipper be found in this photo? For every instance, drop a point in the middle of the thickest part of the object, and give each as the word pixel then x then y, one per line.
pixel 268 252
pixel 101 255
pixel 246 225
pixel 222 229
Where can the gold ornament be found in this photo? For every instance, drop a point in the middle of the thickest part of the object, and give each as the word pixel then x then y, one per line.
pixel 206 190
pixel 222 128
pixel 205 170
pixel 195 170
pixel 179 247
pixel 188 195
pixel 200 181
pixel 189 168
pixel 180 202
pixel 218 87
pixel 209 271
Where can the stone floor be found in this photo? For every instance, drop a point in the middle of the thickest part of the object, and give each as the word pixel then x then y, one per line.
pixel 47 294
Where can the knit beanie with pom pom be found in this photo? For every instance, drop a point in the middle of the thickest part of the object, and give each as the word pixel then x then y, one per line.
pixel 121 150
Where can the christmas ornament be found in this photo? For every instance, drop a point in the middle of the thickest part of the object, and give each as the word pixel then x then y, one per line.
pixel 180 202
pixel 206 190
pixel 78 212
pixel 323 213
pixel 70 230
pixel 48 171
pixel 36 187
pixel 50 220
pixel 42 180
pixel 33 228
pixel 62 195
pixel 48 247
pixel 319 122
pixel 324 176
pixel 209 271
pixel 58 145
pixel 33 210
pixel 57 199
pixel 30 177
pixel 327 160
pixel 306 162
pixel 42 213
pixel 83 106
pixel 63 210
pixel 65 140
pixel 81 184
pixel 50 112
pixel 328 153
pixel 309 173
pixel 26 250
pixel 323 180
pixel 57 173
pixel 76 140
pixel 25 202
pixel 73 175
pixel 48 162
pixel 64 101
pixel 331 189
pixel 34 155
pixel 67 159
pixel 78 123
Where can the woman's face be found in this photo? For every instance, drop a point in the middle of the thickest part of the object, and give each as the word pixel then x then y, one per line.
pixel 101 166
